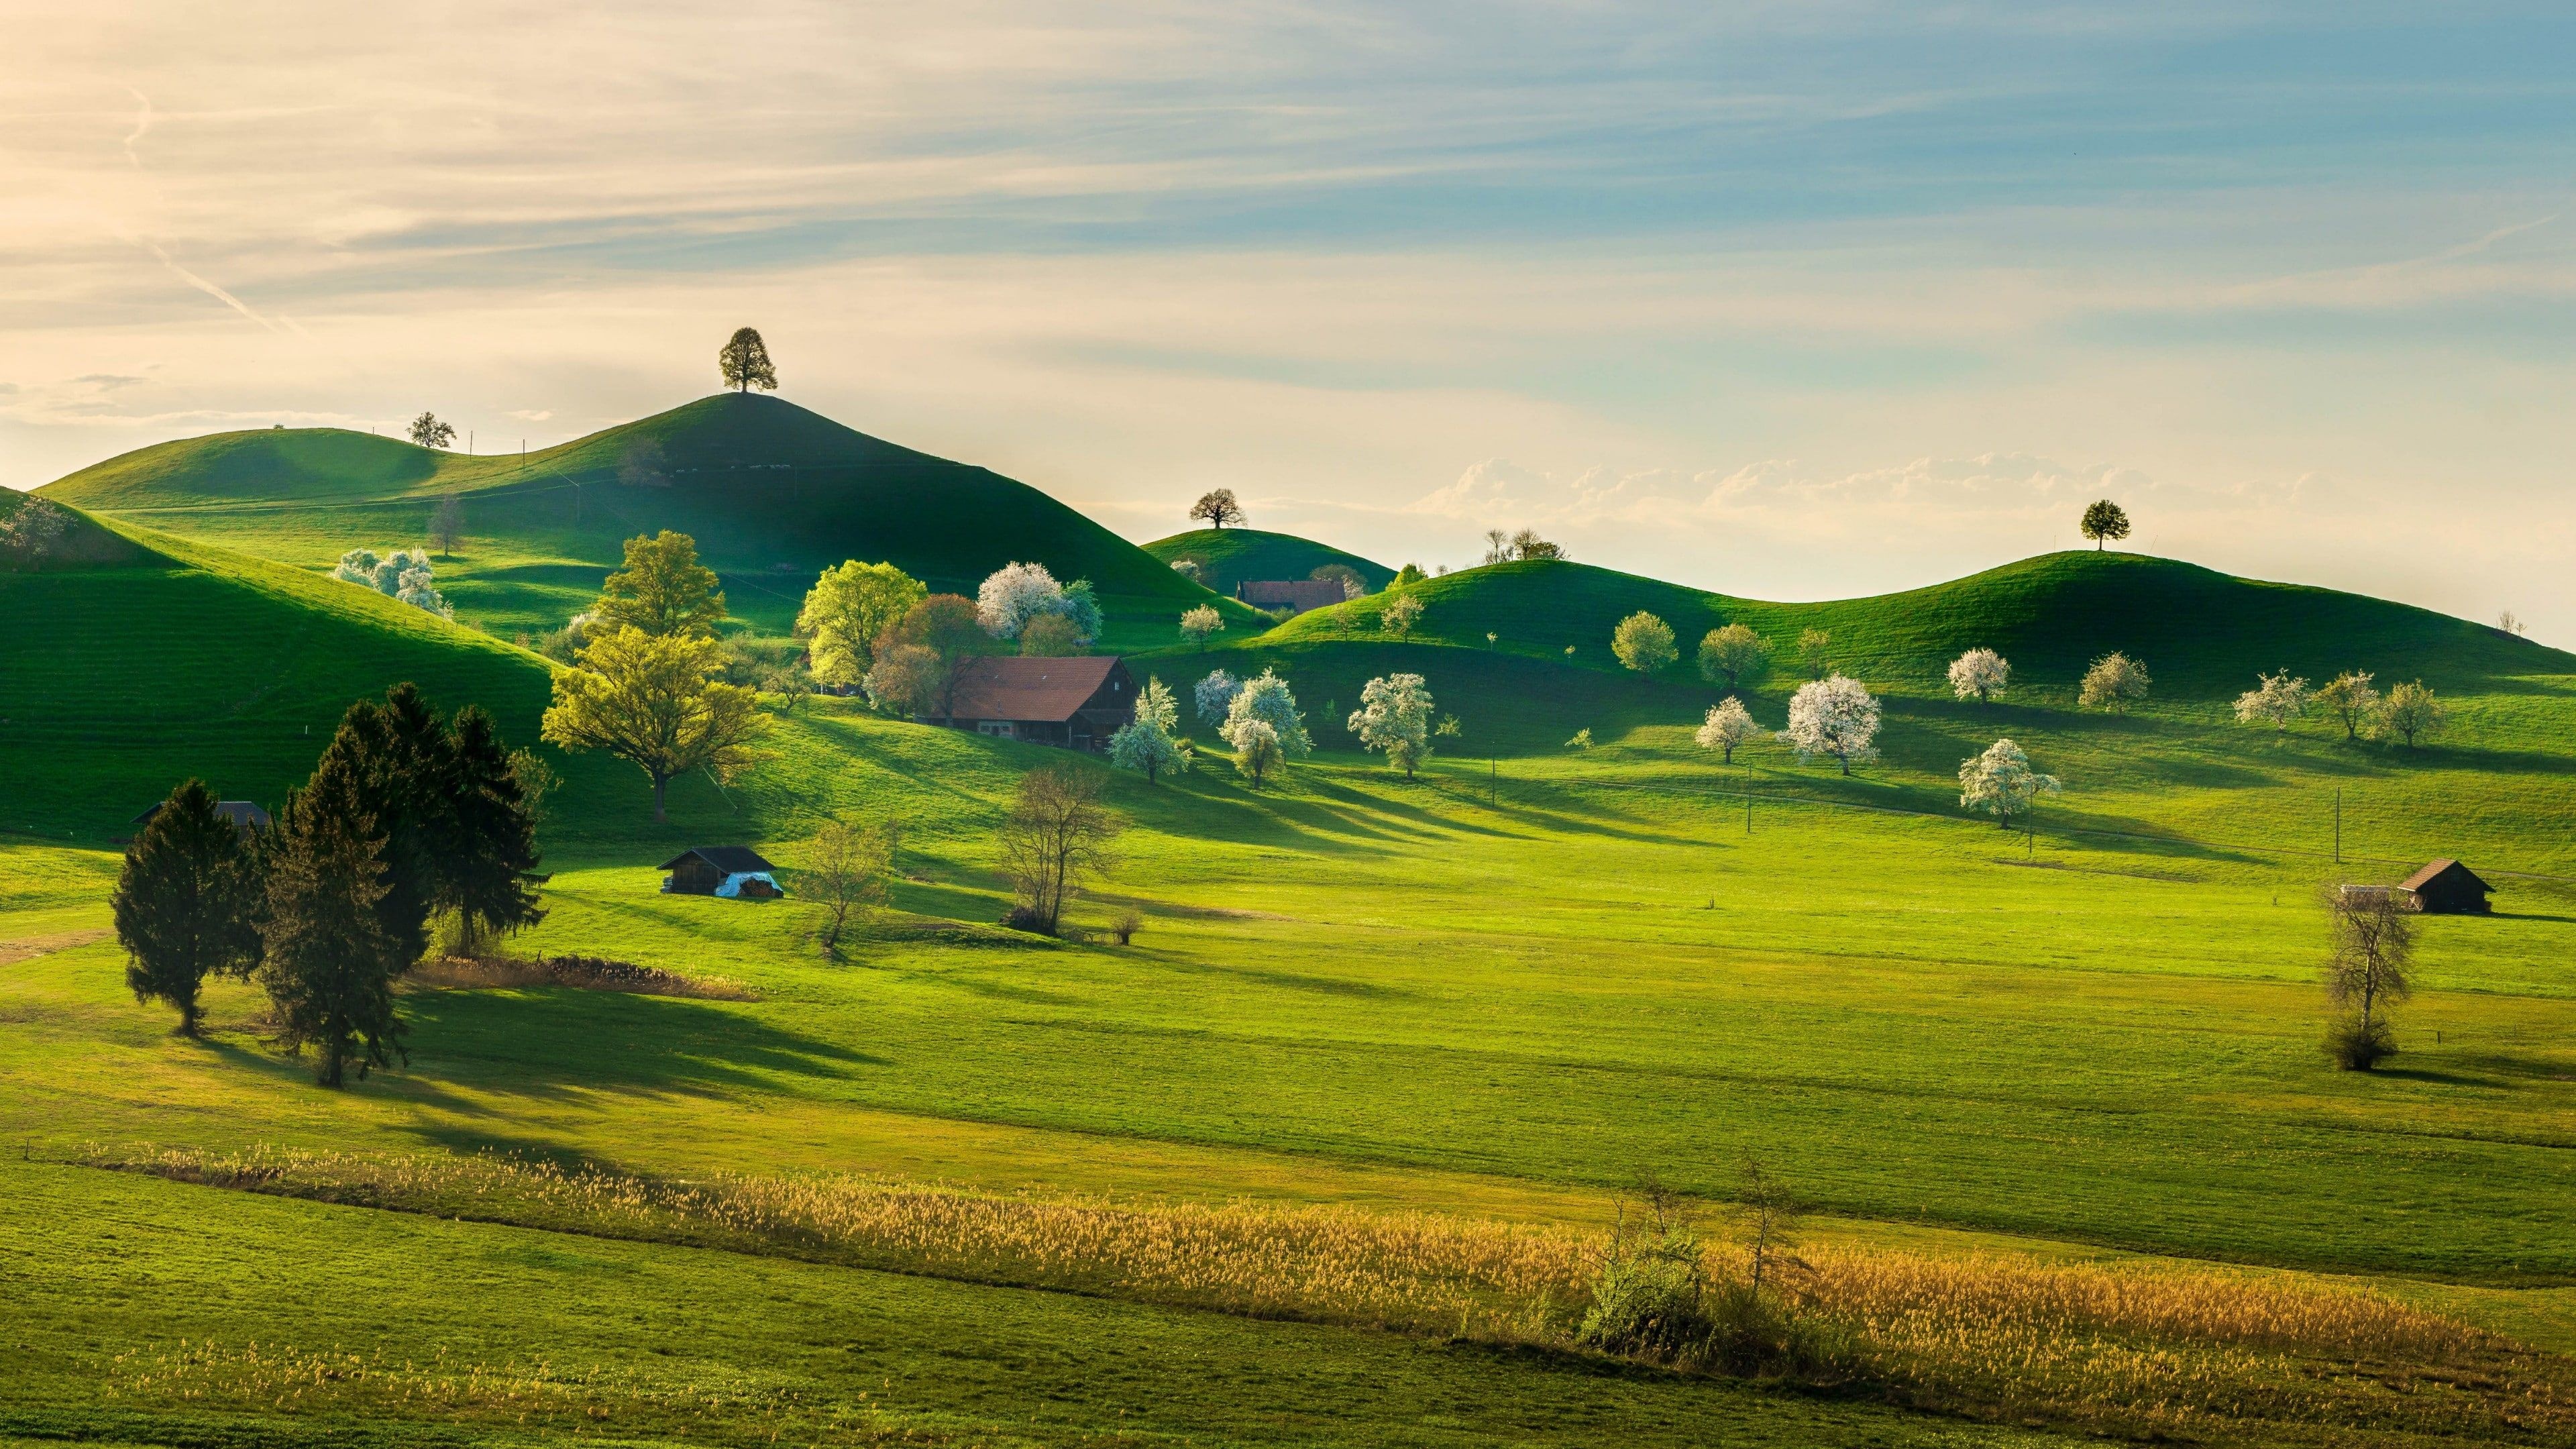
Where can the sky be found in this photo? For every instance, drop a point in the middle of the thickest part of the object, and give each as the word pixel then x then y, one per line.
pixel 1793 300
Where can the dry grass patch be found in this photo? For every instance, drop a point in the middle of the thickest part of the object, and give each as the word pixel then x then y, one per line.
pixel 584 973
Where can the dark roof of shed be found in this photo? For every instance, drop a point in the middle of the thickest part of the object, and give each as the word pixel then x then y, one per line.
pixel 1302 593
pixel 243 813
pixel 1015 687
pixel 731 859
pixel 2434 871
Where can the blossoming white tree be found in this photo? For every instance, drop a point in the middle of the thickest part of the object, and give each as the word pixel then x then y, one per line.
pixel 1199 623
pixel 2001 782
pixel 1266 698
pixel 1146 742
pixel 2278 700
pixel 1256 751
pixel 402 575
pixel 1215 695
pixel 1728 725
pixel 1835 717
pixel 1395 717
pixel 1016 593
pixel 2114 682
pixel 1979 674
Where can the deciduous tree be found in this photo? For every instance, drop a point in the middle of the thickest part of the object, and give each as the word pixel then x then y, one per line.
pixel 1834 717
pixel 2105 520
pixel 1200 623
pixel 447 523
pixel 1353 586
pixel 1146 742
pixel 1214 696
pixel 663 589
pixel 1400 613
pixel 1217 508
pixel 1812 644
pixel 1266 698
pixel 187 903
pixel 1728 725
pixel 2350 698
pixel 1257 755
pixel 845 611
pixel 2276 701
pixel 655 701
pixel 2114 683
pixel 1733 655
pixel 1979 674
pixel 2001 782
pixel 429 432
pixel 1394 718
pixel 2372 934
pixel 2411 712
pixel 1644 643
pixel 744 362
pixel 1050 636
pixel 1055 836
pixel 845 868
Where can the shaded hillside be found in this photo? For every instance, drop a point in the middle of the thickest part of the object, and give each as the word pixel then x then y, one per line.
pixel 1229 556
pixel 773 494
pixel 2202 633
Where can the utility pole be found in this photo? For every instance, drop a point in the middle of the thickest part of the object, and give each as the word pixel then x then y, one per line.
pixel 1748 799
pixel 1493 782
pixel 2338 825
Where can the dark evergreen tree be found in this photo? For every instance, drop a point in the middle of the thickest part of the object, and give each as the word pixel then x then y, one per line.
pixel 495 845
pixel 330 964
pixel 401 765
pixel 185 903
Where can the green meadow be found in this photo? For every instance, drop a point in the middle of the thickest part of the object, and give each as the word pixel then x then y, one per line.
pixel 1508 990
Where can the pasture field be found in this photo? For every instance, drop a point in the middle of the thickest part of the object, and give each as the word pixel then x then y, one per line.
pixel 1502 994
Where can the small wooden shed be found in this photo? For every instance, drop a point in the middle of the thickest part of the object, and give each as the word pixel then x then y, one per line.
pixel 2447 888
pixel 735 872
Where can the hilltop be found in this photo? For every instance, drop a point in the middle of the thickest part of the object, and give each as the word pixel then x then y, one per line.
pixel 772 492
pixel 1229 556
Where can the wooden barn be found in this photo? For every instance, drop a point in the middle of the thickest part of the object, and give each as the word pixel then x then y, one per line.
pixel 2447 888
pixel 1294 595
pixel 1074 703
pixel 735 872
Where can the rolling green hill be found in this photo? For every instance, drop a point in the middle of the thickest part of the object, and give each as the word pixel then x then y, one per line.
pixel 773 494
pixel 1231 555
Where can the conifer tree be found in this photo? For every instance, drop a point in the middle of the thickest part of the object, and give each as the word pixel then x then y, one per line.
pixel 186 903
pixel 329 965
pixel 495 845
pixel 402 769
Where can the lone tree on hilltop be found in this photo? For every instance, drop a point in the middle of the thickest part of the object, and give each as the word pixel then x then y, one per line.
pixel 2105 520
pixel 329 966
pixel 429 432
pixel 187 902
pixel 662 590
pixel 656 702
pixel 447 524
pixel 2373 935
pixel 1734 655
pixel 2114 682
pixel 1644 643
pixel 1055 835
pixel 744 360
pixel 1218 508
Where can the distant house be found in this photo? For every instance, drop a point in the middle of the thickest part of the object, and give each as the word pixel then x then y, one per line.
pixel 1076 703
pixel 735 872
pixel 1296 595
pixel 2447 888
pixel 245 816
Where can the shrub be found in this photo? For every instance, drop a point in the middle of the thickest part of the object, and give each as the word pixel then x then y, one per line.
pixel 2358 1046
pixel 1129 922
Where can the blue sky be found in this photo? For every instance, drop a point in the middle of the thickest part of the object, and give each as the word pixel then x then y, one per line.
pixel 1795 300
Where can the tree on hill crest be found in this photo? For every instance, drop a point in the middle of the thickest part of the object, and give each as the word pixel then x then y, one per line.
pixel 744 361
pixel 2105 520
pixel 1218 508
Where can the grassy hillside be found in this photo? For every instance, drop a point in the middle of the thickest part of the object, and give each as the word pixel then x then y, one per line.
pixel 773 494
pixel 1231 555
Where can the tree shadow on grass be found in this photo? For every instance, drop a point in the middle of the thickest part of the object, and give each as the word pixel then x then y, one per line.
pixel 556 1041
pixel 1284 980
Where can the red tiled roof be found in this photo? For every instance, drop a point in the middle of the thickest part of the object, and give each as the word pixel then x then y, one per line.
pixel 1016 688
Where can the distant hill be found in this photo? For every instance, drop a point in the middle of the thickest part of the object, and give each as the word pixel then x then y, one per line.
pixel 2201 633
pixel 773 494
pixel 1231 555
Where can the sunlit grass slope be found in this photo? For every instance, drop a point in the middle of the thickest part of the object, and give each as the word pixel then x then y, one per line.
pixel 1231 555
pixel 773 494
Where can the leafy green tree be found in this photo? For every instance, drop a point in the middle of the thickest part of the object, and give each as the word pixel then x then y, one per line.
pixel 744 361
pixel 1217 508
pixel 2350 698
pixel 1394 718
pixel 328 966
pixel 845 868
pixel 662 590
pixel 2411 712
pixel 2105 520
pixel 429 432
pixel 1201 623
pixel 1812 644
pixel 919 655
pixel 2114 682
pixel 847 609
pixel 1644 643
pixel 1408 576
pixel 1055 836
pixel 1050 636
pixel 655 702
pixel 1734 655
pixel 1400 614
pixel 186 903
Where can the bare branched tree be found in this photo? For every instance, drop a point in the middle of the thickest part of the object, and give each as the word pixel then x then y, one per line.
pixel 2374 944
pixel 1056 835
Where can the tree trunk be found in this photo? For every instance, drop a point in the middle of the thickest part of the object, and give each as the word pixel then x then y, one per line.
pixel 331 1054
pixel 188 1017
pixel 660 784
pixel 1846 762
